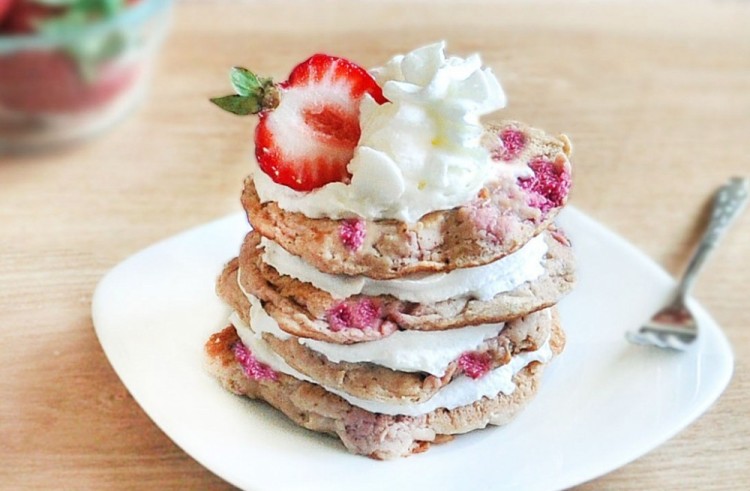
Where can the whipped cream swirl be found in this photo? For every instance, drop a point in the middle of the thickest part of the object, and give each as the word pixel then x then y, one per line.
pixel 420 152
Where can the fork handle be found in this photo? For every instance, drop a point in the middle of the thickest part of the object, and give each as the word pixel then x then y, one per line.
pixel 729 201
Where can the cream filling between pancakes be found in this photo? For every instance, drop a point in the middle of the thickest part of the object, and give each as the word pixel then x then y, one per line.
pixel 481 282
pixel 461 391
pixel 404 351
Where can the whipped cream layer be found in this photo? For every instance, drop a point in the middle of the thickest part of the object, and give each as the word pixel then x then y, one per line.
pixel 481 282
pixel 459 392
pixel 404 351
pixel 420 152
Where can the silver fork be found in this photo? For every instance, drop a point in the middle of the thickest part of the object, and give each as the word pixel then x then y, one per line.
pixel 674 326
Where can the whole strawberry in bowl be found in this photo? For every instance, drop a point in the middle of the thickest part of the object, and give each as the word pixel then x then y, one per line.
pixel 5 6
pixel 70 68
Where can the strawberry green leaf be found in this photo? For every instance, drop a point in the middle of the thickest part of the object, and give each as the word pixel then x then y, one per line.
pixel 244 81
pixel 239 104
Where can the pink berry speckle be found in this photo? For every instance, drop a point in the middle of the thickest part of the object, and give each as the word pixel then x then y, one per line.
pixel 514 142
pixel 366 313
pixel 491 221
pixel 254 369
pixel 339 317
pixel 352 233
pixel 360 314
pixel 560 236
pixel 550 185
pixel 475 364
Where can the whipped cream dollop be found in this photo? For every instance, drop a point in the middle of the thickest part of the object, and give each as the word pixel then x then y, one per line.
pixel 480 282
pixel 405 351
pixel 459 392
pixel 417 153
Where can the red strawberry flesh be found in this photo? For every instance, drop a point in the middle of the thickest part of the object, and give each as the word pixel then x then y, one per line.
pixel 331 125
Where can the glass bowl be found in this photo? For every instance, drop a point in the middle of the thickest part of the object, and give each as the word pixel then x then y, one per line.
pixel 58 87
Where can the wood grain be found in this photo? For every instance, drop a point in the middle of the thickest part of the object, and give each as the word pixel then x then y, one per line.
pixel 654 95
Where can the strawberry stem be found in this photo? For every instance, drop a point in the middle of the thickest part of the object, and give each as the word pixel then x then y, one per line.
pixel 253 94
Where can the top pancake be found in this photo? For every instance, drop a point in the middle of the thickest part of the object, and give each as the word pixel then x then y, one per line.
pixel 500 220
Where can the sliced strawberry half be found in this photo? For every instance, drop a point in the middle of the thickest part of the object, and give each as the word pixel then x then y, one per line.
pixel 309 124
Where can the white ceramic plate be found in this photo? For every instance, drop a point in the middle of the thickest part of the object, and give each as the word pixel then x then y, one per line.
pixel 602 404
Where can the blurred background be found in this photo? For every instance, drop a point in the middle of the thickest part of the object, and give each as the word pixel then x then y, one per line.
pixel 72 68
pixel 115 93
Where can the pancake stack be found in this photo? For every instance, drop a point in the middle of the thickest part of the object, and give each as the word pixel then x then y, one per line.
pixel 393 335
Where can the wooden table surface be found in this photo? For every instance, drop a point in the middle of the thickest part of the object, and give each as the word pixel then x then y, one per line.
pixel 655 96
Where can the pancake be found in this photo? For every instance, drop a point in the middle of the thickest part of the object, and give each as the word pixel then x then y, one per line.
pixel 504 216
pixel 370 381
pixel 303 310
pixel 376 435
